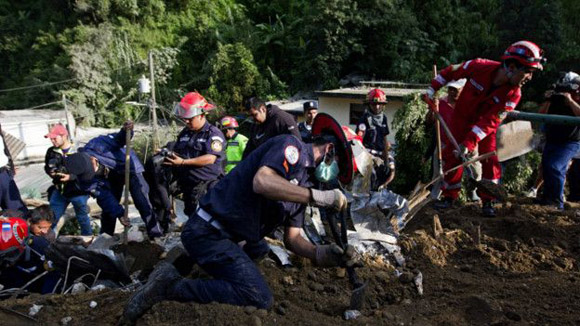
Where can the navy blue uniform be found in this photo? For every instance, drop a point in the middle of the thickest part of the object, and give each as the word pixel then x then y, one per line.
pixel 305 132
pixel 194 181
pixel 231 212
pixel 374 132
pixel 9 193
pixel 109 151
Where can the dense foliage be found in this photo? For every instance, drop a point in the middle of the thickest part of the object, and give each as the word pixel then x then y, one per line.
pixel 93 51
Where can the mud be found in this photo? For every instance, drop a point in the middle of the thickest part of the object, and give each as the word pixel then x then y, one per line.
pixel 520 268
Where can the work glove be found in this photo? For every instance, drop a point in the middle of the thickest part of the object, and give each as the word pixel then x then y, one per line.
pixel 329 198
pixel 432 102
pixel 124 221
pixel 128 125
pixel 463 153
pixel 333 256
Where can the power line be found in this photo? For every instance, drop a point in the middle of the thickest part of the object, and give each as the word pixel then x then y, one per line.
pixel 60 81
pixel 36 86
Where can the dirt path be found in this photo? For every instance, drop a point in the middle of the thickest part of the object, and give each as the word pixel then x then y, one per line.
pixel 524 271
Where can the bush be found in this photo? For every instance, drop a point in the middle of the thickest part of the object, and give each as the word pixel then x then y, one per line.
pixel 412 139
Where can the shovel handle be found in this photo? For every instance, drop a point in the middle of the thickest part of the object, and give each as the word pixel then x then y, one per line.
pixel 127 180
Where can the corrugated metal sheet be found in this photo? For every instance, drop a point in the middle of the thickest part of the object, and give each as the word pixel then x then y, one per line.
pixel 15 145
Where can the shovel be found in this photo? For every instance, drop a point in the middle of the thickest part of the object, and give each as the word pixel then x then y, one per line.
pixel 493 189
pixel 359 287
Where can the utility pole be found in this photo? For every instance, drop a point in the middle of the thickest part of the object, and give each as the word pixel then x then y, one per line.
pixel 153 104
pixel 68 126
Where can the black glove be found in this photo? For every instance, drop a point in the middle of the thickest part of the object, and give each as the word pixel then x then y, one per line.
pixel 333 256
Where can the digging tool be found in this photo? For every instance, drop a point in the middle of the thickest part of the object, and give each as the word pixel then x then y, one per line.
pixel 435 192
pixel 127 180
pixel 493 189
pixel 359 287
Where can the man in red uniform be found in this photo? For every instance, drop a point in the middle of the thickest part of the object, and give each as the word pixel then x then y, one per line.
pixel 492 89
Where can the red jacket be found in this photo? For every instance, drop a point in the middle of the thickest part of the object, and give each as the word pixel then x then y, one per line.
pixel 480 108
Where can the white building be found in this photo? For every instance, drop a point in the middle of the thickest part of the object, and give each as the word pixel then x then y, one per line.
pixel 30 126
pixel 346 105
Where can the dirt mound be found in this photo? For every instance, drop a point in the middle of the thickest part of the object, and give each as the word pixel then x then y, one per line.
pixel 520 268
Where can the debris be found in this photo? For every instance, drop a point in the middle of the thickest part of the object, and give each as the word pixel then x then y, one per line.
pixel 103 241
pixel 78 288
pixel 437 228
pixel 288 280
pixel 282 254
pixel 34 310
pixel 256 321
pixel 280 310
pixel 93 304
pixel 65 320
pixel 419 282
pixel 351 314
pixel 98 287
pixel 135 235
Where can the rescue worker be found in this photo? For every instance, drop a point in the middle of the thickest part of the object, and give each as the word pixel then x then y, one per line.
pixel 236 142
pixel 492 89
pixel 305 127
pixel 373 127
pixel 270 121
pixel 99 168
pixel 267 189
pixel 198 152
pixel 9 193
pixel 61 194
pixel 22 251
pixel 562 142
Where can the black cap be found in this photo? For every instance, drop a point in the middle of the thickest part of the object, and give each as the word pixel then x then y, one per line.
pixel 80 165
pixel 310 105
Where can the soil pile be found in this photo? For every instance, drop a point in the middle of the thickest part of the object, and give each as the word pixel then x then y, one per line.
pixel 520 268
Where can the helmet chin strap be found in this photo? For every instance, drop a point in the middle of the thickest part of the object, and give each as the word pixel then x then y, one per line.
pixel 509 74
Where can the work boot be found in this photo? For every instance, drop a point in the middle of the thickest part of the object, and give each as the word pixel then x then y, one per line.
pixel 487 209
pixel 532 193
pixel 473 197
pixel 443 203
pixel 155 290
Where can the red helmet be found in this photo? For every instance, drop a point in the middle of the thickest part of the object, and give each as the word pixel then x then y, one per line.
pixel 12 238
pixel 376 95
pixel 526 53
pixel 228 122
pixel 191 105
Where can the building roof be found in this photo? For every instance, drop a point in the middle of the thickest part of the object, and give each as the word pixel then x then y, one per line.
pixel 294 107
pixel 391 89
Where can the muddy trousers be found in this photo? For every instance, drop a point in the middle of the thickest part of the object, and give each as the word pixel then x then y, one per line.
pixel 491 169
pixel 236 279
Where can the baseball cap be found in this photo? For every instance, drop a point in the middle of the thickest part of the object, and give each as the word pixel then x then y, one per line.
pixel 57 130
pixel 310 105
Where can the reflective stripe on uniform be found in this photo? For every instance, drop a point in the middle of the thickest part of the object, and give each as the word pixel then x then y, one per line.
pixel 478 132
pixel 441 80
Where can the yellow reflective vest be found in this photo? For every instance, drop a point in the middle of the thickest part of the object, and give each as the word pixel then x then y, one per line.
pixel 234 150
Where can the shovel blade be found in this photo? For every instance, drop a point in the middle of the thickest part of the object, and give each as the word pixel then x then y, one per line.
pixel 357 296
pixel 492 189
pixel 515 139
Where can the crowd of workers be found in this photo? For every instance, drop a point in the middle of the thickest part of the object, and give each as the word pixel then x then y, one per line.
pixel 238 189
